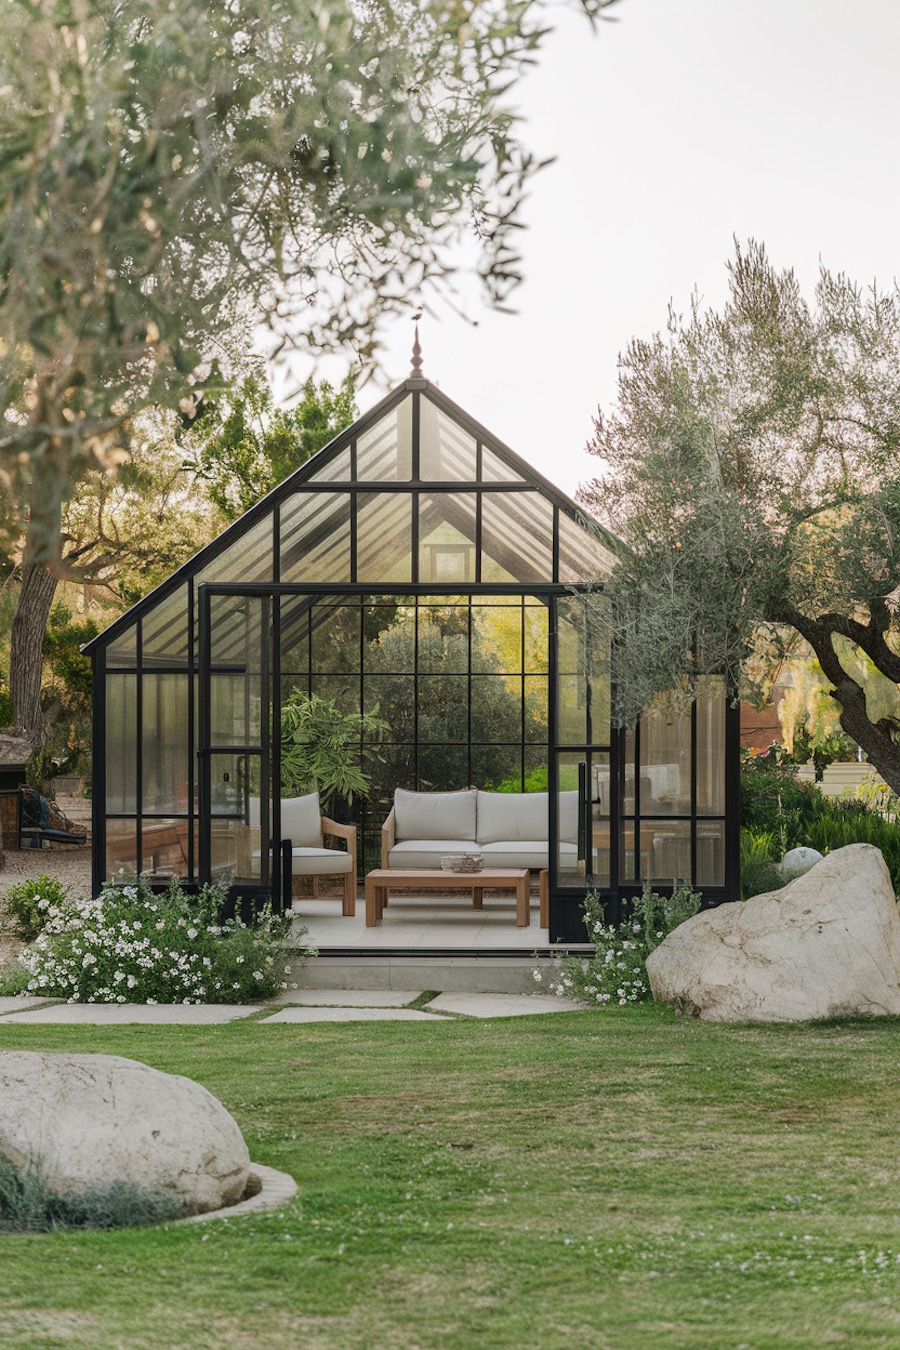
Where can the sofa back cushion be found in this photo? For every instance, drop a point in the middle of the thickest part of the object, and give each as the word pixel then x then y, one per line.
pixel 512 815
pixel 434 815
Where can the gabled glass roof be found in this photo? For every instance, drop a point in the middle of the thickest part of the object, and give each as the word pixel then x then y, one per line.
pixel 414 493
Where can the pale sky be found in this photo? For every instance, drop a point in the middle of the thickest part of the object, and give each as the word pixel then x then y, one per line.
pixel 684 124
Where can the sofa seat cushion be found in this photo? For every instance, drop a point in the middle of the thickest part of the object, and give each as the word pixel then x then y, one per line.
pixel 505 816
pixel 448 816
pixel 316 862
pixel 414 853
pixel 515 853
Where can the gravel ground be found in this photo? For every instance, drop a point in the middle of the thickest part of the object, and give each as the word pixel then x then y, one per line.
pixel 63 862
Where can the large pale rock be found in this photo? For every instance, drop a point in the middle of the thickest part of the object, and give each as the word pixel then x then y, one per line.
pixel 88 1120
pixel 827 945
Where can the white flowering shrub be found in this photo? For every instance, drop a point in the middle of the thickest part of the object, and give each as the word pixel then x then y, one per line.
pixel 616 974
pixel 130 945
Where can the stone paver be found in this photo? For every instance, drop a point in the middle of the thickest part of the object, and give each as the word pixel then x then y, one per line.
pixel 9 1005
pixel 119 1014
pixel 350 998
pixel 501 1005
pixel 300 1014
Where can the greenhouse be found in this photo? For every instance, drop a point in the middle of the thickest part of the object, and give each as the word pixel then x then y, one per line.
pixel 418 574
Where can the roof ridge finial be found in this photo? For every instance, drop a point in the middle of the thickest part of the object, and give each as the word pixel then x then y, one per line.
pixel 416 372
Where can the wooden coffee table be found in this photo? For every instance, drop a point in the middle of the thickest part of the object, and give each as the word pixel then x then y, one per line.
pixel 381 881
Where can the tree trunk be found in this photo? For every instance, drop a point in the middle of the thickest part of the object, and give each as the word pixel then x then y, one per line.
pixel 26 651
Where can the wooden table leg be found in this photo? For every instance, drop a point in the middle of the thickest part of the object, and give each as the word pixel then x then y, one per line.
pixel 545 898
pixel 372 910
pixel 477 897
pixel 523 901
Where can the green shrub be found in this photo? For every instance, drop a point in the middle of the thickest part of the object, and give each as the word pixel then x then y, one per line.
pixel 760 855
pixel 24 906
pixel 27 1205
pixel 617 972
pixel 794 814
pixel 130 945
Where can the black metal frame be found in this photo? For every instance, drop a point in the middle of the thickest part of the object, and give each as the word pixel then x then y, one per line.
pixel 313 478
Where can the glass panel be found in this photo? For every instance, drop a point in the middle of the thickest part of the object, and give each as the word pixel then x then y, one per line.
pixel 569 846
pixel 536 769
pixel 315 537
pixel 665 763
pixel 336 469
pixel 443 639
pixel 394 696
pixel 384 452
pixel 496 710
pixel 710 853
pixel 600 809
pixel 123 652
pixel 335 638
pixel 234 779
pixel 443 708
pixel 395 647
pixel 344 689
pixel 447 537
pixel 236 633
pixel 165 631
pixel 121 848
pixel 248 556
pixel 516 537
pixel 382 624
pixel 632 865
pixel 536 708
pixel 497 637
pixel 165 744
pixel 711 748
pixel 628 802
pixel 496 470
pixel 234 710
pixel 497 768
pixel 537 639
pixel 384 537
pixel 446 451
pixel 443 768
pixel 121 743
pixel 668 844
pixel 583 554
pixel 296 618
pixel 235 852
pixel 165 848
pixel 571 700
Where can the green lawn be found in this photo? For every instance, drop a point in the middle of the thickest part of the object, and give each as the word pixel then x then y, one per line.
pixel 621 1179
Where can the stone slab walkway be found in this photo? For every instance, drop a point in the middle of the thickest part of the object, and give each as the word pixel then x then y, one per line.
pixel 310 1005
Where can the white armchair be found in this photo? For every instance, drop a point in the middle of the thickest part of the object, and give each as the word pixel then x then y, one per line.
pixel 307 829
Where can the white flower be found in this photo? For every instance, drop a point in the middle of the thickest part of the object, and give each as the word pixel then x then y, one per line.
pixel 89 959
pixel 257 974
pixel 192 933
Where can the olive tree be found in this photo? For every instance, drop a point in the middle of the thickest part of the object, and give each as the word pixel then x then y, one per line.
pixel 752 469
pixel 171 170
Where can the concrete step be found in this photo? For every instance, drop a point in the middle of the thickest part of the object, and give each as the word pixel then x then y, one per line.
pixel 487 974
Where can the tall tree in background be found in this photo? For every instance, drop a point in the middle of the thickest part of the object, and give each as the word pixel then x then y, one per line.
pixel 752 468
pixel 244 446
pixel 171 168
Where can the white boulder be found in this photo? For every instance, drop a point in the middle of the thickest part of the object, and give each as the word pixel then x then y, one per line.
pixel 827 945
pixel 90 1120
pixel 799 860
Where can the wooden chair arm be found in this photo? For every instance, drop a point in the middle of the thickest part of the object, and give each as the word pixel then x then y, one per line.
pixel 339 831
pixel 388 838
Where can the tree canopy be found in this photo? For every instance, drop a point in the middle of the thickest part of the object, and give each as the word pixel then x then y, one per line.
pixel 169 170
pixel 244 445
pixel 752 469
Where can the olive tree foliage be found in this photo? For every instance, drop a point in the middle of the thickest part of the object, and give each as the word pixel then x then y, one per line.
pixel 171 169
pixel 752 469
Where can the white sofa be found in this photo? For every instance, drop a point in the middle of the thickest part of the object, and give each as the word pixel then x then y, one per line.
pixel 510 829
